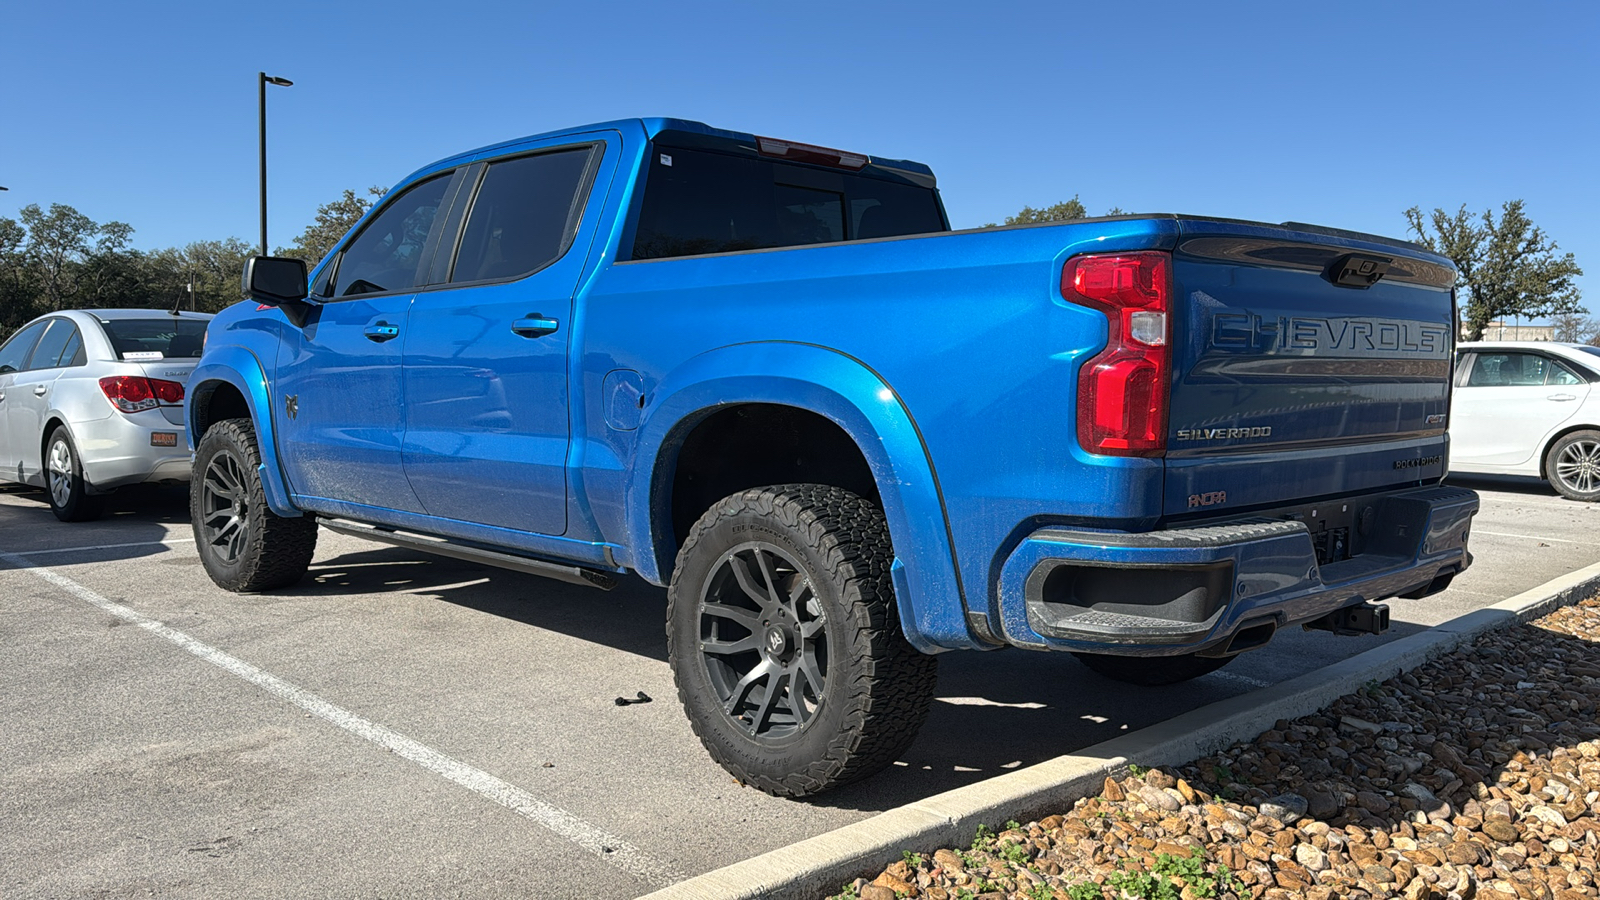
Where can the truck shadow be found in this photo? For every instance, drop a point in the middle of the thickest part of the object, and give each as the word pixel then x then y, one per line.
pixel 994 712
pixel 1510 484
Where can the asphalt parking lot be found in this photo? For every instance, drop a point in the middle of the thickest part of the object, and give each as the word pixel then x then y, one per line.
pixel 407 726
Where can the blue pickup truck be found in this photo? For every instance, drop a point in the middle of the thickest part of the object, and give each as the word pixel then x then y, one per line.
pixel 768 376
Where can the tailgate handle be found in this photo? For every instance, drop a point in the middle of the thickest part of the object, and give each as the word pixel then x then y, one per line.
pixel 1357 270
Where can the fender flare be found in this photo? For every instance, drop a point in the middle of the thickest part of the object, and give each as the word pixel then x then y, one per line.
pixel 239 367
pixel 851 395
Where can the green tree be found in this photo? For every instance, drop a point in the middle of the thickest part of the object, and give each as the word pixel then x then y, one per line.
pixel 56 240
pixel 332 222
pixel 1509 266
pixel 212 267
pixel 1065 211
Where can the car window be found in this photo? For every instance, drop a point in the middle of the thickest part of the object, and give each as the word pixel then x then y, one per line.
pixel 387 253
pixel 15 351
pixel 526 211
pixel 72 354
pixel 138 340
pixel 697 201
pixel 47 353
pixel 1560 374
pixel 1508 370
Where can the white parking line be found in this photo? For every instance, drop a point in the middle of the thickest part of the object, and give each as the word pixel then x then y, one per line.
pixel 1533 537
pixel 607 846
pixel 181 540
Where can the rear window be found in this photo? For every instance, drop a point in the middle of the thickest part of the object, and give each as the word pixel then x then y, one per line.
pixel 138 340
pixel 697 201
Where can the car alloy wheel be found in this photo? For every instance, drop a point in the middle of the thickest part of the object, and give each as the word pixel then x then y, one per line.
pixel 763 640
pixel 59 462
pixel 224 508
pixel 1578 466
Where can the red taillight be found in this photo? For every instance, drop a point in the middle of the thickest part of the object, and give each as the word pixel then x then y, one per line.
pixel 1122 392
pixel 135 393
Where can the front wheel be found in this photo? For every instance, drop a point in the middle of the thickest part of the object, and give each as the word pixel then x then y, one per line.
pixel 244 546
pixel 1573 465
pixel 70 499
pixel 785 642
pixel 1152 671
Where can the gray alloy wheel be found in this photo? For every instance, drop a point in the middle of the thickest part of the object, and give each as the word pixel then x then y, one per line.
pixel 1573 465
pixel 70 499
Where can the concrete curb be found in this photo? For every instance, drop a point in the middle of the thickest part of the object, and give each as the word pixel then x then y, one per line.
pixel 817 866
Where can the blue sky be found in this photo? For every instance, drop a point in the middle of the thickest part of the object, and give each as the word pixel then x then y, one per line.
pixel 1339 114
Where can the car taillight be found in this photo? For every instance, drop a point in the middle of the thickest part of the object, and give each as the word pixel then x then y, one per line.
pixel 1123 391
pixel 135 393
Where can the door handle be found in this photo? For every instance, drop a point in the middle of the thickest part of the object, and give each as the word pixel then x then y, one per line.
pixel 39 390
pixel 380 332
pixel 534 326
pixel 1562 397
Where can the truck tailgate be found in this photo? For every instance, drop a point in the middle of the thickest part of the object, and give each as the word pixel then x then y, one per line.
pixel 1296 375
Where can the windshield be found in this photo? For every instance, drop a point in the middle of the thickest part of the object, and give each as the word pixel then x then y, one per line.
pixel 149 339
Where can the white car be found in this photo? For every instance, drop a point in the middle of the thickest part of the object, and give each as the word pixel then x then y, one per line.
pixel 1529 408
pixel 92 400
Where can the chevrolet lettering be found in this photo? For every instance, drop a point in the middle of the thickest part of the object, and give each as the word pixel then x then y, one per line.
pixel 1223 434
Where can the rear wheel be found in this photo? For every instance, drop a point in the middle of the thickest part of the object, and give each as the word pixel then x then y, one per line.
pixel 70 499
pixel 785 642
pixel 1152 671
pixel 244 546
pixel 1573 465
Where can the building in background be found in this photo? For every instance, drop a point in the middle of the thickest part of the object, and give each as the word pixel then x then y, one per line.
pixel 1500 331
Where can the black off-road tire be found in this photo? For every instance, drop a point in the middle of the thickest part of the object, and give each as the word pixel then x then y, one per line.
pixel 244 546
pixel 826 579
pixel 64 483
pixel 1573 466
pixel 1152 671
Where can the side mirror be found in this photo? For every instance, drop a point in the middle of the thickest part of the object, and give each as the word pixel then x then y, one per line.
pixel 275 280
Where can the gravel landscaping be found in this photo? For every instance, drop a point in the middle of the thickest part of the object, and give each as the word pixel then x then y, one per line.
pixel 1475 776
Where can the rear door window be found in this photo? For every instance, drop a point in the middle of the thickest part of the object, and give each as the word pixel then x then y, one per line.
pixel 144 340
pixel 387 255
pixel 14 353
pixel 47 354
pixel 524 215
pixel 1508 370
pixel 698 201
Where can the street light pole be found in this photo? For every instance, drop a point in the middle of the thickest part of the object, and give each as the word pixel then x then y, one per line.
pixel 261 107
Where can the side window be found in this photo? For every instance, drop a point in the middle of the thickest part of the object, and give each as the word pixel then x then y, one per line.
pixel 387 253
pixel 47 354
pixel 15 351
pixel 525 214
pixel 1560 374
pixel 1508 370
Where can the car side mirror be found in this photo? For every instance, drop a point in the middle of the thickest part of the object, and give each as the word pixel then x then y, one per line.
pixel 275 280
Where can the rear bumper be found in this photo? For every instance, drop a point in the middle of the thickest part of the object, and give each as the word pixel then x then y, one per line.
pixel 116 450
pixel 1191 590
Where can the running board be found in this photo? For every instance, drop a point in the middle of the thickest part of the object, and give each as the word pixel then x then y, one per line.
pixel 472 553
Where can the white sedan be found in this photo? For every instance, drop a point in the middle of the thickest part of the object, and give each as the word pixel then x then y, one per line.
pixel 1529 408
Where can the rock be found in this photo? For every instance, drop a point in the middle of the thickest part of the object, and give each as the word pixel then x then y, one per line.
pixel 1377 874
pixel 1159 779
pixel 1372 802
pixel 1322 805
pixel 1501 830
pixel 1112 791
pixel 1286 808
pixel 895 884
pixel 1186 791
pixel 1548 816
pixel 1313 859
pixel 948 860
pixel 1354 725
pixel 1156 798
pixel 876 892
